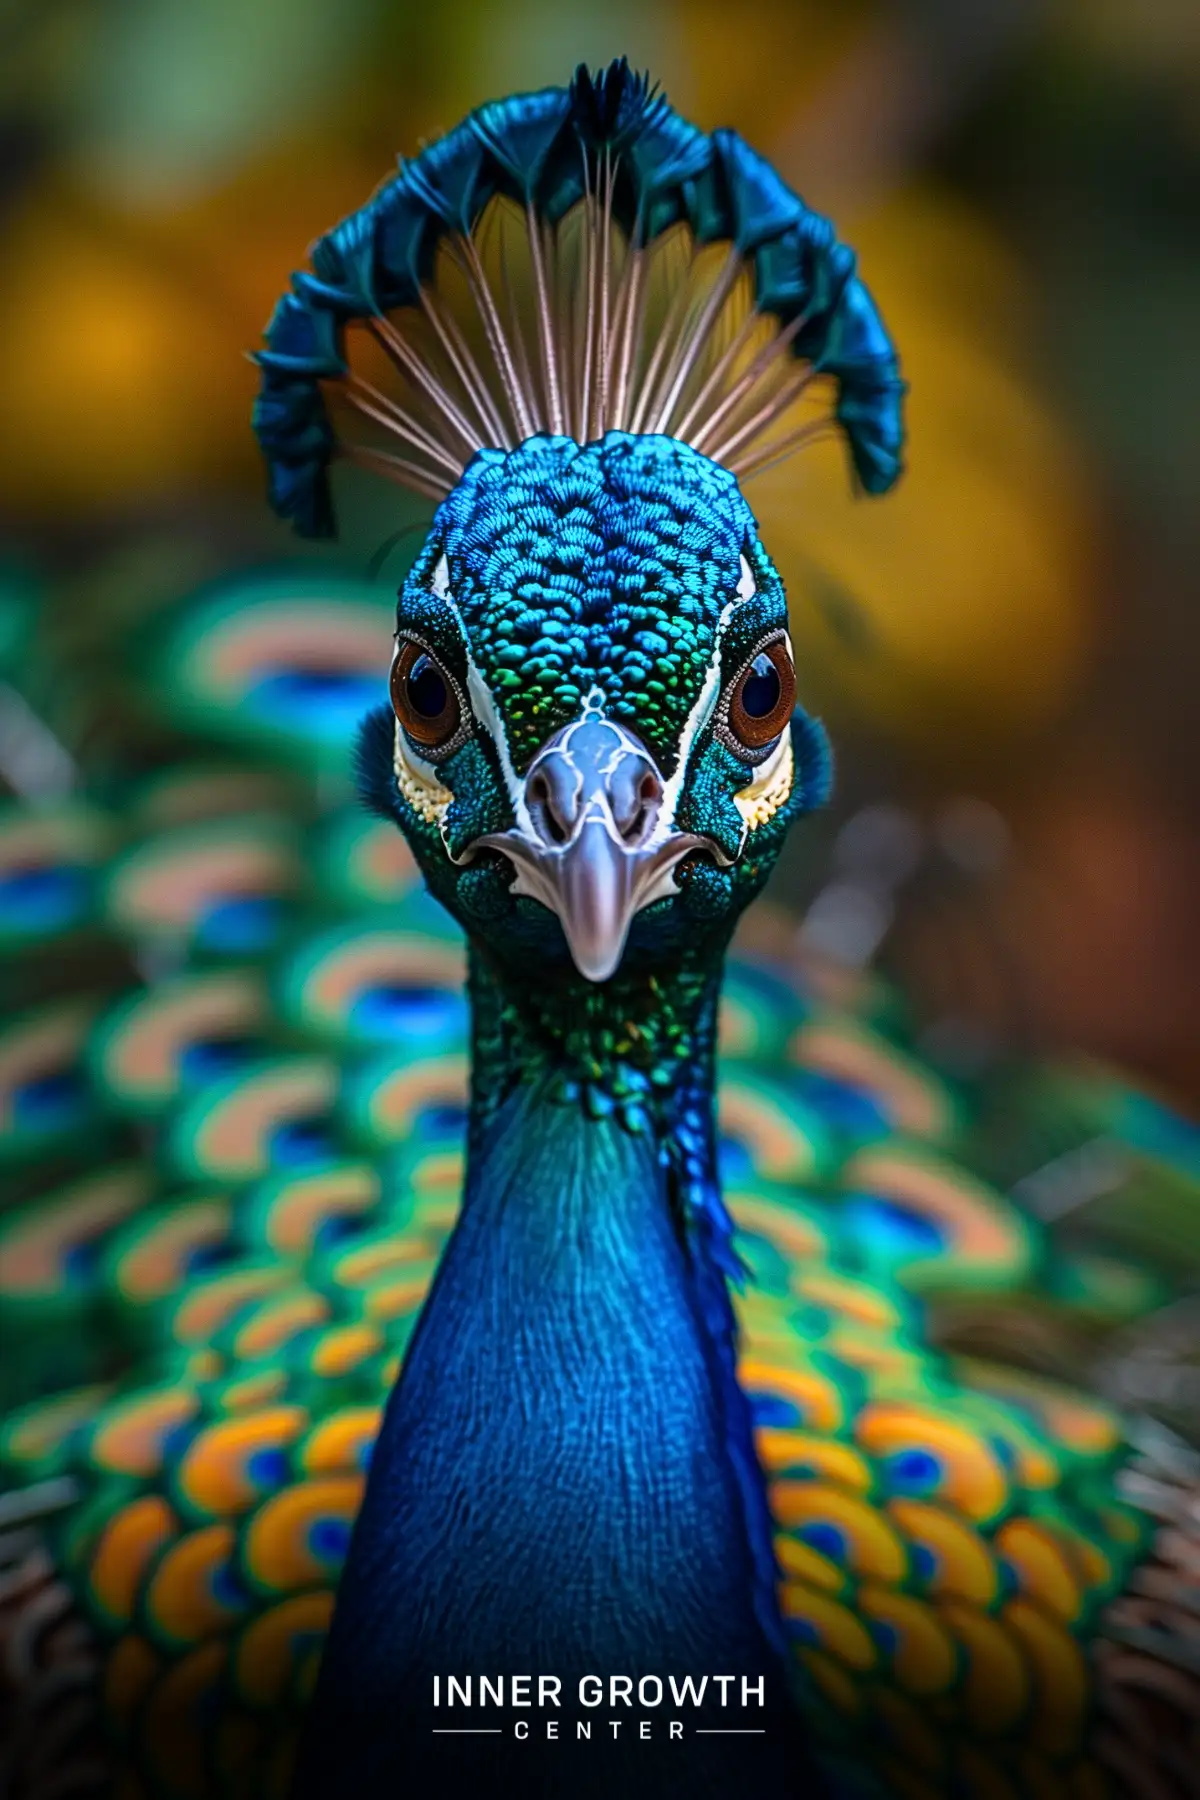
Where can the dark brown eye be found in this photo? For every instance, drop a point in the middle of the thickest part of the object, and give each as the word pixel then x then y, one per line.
pixel 762 697
pixel 425 698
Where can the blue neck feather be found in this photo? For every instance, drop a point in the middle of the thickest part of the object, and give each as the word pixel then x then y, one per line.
pixel 565 1481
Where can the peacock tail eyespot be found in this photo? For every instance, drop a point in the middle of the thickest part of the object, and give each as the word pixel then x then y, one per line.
pixel 759 701
pixel 427 700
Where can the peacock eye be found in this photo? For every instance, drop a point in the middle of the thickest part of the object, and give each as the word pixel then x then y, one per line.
pixel 425 697
pixel 760 699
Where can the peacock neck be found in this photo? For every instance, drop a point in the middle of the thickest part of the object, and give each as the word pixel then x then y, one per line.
pixel 639 1048
pixel 565 1479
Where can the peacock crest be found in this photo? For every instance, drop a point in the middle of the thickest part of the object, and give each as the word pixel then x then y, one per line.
pixel 569 263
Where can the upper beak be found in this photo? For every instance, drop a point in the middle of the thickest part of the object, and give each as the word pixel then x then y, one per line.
pixel 593 845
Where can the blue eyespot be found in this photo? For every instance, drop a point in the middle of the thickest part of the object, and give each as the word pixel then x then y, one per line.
pixel 761 692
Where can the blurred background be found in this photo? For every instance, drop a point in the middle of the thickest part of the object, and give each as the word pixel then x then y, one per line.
pixel 1006 651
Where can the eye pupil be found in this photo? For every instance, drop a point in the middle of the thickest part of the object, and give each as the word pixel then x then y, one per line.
pixel 761 691
pixel 425 689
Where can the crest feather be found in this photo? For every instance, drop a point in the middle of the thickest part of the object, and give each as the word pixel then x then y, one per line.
pixel 571 262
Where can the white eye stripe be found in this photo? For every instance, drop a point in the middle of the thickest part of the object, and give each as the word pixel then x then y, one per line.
pixel 480 699
pixel 483 707
pixel 710 692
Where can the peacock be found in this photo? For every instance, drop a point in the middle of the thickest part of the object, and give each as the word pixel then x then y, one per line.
pixel 433 1244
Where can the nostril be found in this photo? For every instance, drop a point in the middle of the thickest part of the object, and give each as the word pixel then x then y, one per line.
pixel 542 801
pixel 636 823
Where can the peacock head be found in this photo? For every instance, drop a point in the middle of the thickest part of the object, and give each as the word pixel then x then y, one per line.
pixel 593 747
pixel 579 323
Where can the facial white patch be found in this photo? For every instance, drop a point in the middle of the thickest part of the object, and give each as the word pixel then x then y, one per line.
pixel 770 788
pixel 417 781
pixel 747 587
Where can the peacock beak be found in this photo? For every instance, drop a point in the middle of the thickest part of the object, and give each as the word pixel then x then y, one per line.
pixel 593 841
